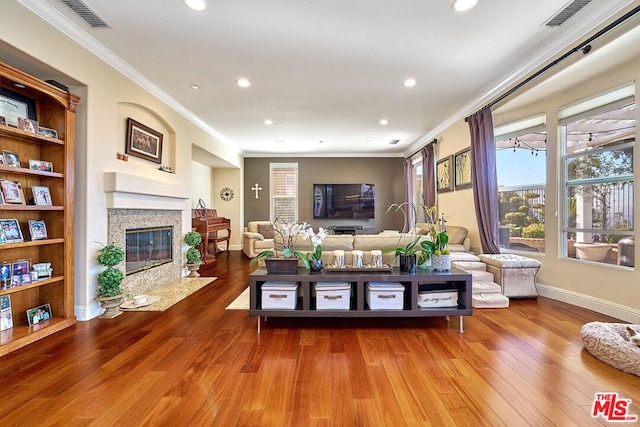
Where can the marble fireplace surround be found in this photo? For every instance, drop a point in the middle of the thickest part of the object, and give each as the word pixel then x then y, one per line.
pixel 136 202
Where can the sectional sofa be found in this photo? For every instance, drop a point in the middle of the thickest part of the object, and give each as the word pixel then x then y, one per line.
pixel 257 238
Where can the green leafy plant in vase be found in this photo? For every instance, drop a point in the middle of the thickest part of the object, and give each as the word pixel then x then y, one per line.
pixel 408 253
pixel 436 248
pixel 193 256
pixel 110 293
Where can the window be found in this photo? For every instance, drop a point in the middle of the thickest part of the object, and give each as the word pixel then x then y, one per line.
pixel 284 192
pixel 521 173
pixel 418 201
pixel 598 140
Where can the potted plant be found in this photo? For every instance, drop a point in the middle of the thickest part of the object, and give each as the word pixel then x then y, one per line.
pixel 408 253
pixel 110 293
pixel 283 258
pixel 436 247
pixel 193 256
pixel 315 256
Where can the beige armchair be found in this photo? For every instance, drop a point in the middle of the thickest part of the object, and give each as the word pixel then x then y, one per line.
pixel 257 237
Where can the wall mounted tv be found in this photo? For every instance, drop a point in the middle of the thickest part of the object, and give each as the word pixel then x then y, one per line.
pixel 343 201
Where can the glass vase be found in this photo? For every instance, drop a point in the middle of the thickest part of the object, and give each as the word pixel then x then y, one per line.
pixel 315 264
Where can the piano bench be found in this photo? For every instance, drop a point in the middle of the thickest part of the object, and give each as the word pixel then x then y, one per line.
pixel 214 239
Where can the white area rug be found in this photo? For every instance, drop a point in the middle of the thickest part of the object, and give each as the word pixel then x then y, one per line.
pixel 241 302
pixel 174 292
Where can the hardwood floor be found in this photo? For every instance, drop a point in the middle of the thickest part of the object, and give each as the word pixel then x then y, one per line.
pixel 199 364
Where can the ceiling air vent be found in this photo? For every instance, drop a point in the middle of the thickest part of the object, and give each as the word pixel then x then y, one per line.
pixel 571 9
pixel 84 12
pixel 394 141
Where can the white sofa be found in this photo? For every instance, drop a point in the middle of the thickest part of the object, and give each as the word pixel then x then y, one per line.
pixel 254 242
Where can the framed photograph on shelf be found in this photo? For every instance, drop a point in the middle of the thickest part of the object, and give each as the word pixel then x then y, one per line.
pixel 143 142
pixel 462 162
pixel 12 231
pixel 3 121
pixel 12 191
pixel 6 320
pixel 19 271
pixel 10 158
pixel 5 273
pixel 39 314
pixel 444 178
pixel 40 165
pixel 41 195
pixel 48 132
pixel 37 229
pixel 14 105
pixel 27 125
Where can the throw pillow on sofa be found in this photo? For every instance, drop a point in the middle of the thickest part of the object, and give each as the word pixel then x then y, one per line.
pixel 267 231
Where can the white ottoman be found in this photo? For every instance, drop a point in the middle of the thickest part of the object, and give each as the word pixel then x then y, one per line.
pixel 516 274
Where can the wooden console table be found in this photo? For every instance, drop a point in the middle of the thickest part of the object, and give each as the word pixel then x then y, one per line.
pixel 421 280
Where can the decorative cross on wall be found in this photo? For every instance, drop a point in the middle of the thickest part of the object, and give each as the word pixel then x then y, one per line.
pixel 256 188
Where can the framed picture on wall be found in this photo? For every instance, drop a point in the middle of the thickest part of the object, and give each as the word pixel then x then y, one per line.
pixel 143 142
pixel 462 163
pixel 444 178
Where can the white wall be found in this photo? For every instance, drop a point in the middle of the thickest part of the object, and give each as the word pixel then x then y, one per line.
pixel 607 289
pixel 101 136
pixel 201 184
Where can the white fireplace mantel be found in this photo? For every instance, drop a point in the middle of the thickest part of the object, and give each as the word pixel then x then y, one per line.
pixel 125 191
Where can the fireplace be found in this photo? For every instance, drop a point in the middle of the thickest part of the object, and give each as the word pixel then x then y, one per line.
pixel 154 267
pixel 147 248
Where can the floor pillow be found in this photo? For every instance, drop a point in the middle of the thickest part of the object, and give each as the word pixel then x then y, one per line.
pixel 609 342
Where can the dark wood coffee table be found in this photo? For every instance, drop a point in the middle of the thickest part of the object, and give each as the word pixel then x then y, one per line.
pixel 413 282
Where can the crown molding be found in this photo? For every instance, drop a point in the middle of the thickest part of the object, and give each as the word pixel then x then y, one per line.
pixel 580 29
pixel 70 29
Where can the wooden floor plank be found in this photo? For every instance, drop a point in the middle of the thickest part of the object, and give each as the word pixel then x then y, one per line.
pixel 199 364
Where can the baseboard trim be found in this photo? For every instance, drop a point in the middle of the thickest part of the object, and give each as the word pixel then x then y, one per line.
pixel 609 308
pixel 87 312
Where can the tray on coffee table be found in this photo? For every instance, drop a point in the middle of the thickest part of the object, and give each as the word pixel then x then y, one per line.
pixel 331 268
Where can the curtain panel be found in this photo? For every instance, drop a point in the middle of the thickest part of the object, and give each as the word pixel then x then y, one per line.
pixel 428 176
pixel 484 179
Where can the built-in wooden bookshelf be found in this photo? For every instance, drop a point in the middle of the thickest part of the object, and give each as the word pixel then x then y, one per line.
pixel 54 109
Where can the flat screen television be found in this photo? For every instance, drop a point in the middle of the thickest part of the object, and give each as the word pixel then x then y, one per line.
pixel 343 201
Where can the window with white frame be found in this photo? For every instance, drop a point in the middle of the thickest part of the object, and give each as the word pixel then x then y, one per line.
pixel 284 192
pixel 521 153
pixel 418 201
pixel 598 143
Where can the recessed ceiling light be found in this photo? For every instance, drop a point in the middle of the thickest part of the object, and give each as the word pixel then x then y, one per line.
pixel 409 83
pixel 243 82
pixel 384 122
pixel 195 87
pixel 463 5
pixel 268 122
pixel 198 5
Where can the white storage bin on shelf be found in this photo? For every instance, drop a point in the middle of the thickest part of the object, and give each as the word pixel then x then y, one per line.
pixel 333 295
pixel 385 295
pixel 438 299
pixel 279 295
